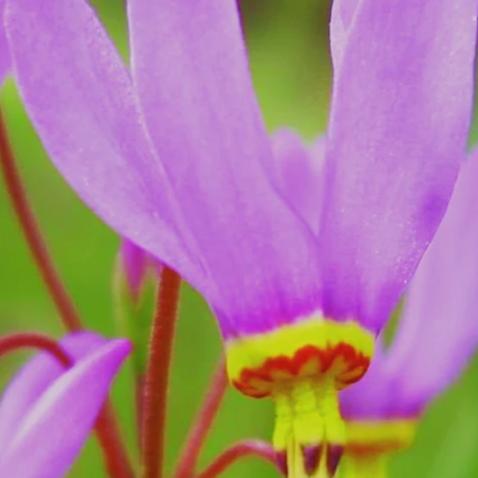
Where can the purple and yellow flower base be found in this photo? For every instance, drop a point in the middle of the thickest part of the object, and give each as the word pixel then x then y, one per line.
pixel 310 347
pixel 302 366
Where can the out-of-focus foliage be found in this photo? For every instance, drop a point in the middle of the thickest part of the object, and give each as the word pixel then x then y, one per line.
pixel 288 44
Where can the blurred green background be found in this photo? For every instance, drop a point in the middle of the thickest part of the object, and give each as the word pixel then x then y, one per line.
pixel 288 44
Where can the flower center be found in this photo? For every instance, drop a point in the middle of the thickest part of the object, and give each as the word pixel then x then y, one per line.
pixel 302 366
pixel 309 435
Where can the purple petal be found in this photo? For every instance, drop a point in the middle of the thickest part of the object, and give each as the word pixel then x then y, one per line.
pixel 52 432
pixel 193 81
pixel 439 330
pixel 399 124
pixel 134 261
pixel 340 21
pixel 35 377
pixel 373 396
pixel 297 174
pixel 80 97
pixel 5 60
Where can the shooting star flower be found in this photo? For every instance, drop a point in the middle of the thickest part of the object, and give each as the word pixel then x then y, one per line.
pixel 175 157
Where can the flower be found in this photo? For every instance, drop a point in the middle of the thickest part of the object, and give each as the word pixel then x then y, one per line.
pixel 175 157
pixel 437 336
pixel 47 411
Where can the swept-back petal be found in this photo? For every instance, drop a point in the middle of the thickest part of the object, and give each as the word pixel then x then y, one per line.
pixel 297 174
pixel 372 397
pixel 80 97
pixel 35 377
pixel 438 333
pixel 398 130
pixel 190 68
pixel 54 429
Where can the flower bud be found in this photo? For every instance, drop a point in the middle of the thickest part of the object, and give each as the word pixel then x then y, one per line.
pixel 134 286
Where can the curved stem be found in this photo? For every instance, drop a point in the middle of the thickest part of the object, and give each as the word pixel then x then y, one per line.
pixel 105 424
pixel 114 454
pixel 240 450
pixel 10 343
pixel 157 374
pixel 107 430
pixel 202 424
pixel 32 234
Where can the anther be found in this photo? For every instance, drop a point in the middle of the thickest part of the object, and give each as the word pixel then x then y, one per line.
pixel 309 431
pixel 334 454
pixel 281 460
pixel 312 456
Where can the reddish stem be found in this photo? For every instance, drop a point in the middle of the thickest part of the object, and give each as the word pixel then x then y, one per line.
pixel 240 450
pixel 107 429
pixel 157 374
pixel 202 424
pixel 33 235
pixel 9 343
pixel 139 393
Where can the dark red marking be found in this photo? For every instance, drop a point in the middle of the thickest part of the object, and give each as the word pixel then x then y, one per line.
pixel 281 460
pixel 312 455
pixel 334 454
pixel 354 362
pixel 378 448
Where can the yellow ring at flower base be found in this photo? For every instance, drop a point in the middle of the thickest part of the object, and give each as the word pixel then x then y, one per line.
pixel 309 347
pixel 371 443
pixel 301 366
pixel 367 437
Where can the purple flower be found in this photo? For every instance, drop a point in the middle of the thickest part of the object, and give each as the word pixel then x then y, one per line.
pixel 176 158
pixel 47 411
pixel 437 334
